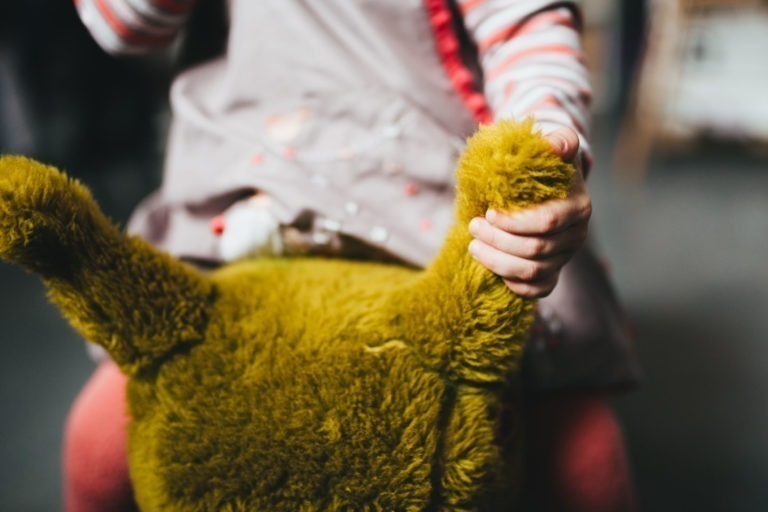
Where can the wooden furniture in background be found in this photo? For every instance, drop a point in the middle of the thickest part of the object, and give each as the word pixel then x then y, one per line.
pixel 703 75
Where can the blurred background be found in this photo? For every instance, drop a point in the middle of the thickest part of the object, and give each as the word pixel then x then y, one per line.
pixel 680 190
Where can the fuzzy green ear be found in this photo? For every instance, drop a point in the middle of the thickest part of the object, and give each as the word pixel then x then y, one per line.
pixel 507 167
pixel 41 211
pixel 118 291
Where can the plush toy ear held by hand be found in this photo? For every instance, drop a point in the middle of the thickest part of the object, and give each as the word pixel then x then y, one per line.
pixel 299 384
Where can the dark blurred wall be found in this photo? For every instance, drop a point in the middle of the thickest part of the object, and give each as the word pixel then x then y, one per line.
pixel 79 108
pixel 633 28
pixel 103 119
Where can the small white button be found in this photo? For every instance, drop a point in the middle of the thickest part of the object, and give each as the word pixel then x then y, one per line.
pixel 351 208
pixel 330 224
pixel 379 234
pixel 321 237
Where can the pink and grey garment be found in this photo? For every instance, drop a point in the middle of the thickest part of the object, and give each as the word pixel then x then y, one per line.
pixel 350 117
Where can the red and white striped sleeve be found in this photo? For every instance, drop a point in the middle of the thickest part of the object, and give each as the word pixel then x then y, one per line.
pixel 134 26
pixel 533 64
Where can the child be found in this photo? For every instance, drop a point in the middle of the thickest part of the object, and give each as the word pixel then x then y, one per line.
pixel 333 127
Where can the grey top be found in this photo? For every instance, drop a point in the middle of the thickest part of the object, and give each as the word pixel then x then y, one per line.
pixel 342 112
pixel 349 119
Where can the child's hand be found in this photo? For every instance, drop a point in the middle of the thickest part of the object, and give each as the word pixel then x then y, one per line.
pixel 528 249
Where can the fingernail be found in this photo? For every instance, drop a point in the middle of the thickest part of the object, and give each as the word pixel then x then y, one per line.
pixel 474 225
pixel 491 215
pixel 472 247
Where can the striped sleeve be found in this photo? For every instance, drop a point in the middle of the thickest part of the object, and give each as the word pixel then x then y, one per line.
pixel 134 26
pixel 532 61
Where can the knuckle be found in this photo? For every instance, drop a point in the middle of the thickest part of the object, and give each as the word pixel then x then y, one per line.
pixel 504 222
pixel 525 292
pixel 532 272
pixel 513 286
pixel 520 289
pixel 540 291
pixel 535 292
pixel 536 247
pixel 549 221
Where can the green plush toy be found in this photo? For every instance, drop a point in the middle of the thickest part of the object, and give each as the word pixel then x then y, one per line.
pixel 300 384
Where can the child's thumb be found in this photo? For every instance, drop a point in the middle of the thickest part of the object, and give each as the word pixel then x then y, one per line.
pixel 565 142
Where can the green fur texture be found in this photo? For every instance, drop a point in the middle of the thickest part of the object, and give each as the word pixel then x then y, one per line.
pixel 300 384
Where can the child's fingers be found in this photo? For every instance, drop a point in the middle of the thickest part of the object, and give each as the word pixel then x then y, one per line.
pixel 553 216
pixel 515 268
pixel 529 247
pixel 546 219
pixel 564 142
pixel 533 290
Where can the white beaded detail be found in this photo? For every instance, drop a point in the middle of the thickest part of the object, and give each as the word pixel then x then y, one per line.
pixel 351 208
pixel 379 234
pixel 330 225
pixel 321 238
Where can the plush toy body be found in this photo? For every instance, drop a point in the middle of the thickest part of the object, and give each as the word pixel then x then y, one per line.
pixel 297 384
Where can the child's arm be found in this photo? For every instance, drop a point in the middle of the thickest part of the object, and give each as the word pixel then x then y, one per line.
pixel 532 61
pixel 134 26
pixel 533 66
